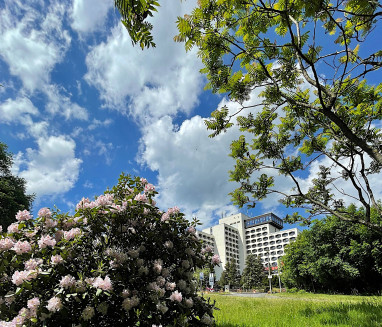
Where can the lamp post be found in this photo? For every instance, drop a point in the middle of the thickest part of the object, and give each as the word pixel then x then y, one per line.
pixel 269 274
pixel 279 272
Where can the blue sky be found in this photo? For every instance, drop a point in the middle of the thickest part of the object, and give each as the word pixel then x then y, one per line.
pixel 79 105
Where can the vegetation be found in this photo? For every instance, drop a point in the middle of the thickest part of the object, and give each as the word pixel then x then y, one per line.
pixel 230 275
pixel 303 67
pixel 290 310
pixel 119 261
pixel 336 256
pixel 12 190
pixel 253 273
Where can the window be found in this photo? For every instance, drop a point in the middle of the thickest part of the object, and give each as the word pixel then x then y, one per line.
pixel 272 242
pixel 280 252
pixel 291 233
pixel 292 238
pixel 285 240
pixel 278 241
pixel 265 239
pixel 271 237
pixel 278 236
pixel 279 246
pixel 285 234
pixel 265 243
pixel 264 228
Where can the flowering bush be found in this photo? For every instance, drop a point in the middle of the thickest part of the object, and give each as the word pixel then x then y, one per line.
pixel 118 261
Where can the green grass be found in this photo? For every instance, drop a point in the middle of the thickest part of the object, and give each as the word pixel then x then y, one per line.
pixel 298 310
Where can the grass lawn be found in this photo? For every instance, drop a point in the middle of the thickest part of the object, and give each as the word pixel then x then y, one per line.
pixel 297 310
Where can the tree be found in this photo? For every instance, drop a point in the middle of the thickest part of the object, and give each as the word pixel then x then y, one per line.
pixel 230 275
pixel 118 261
pixel 12 190
pixel 306 63
pixel 335 256
pixel 253 273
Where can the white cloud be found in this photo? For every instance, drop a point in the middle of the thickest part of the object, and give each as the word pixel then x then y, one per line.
pixel 52 169
pixel 89 15
pixel 59 104
pixel 192 168
pixel 147 84
pixel 32 41
pixel 17 110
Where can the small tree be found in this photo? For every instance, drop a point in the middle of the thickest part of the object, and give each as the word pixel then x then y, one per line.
pixel 253 273
pixel 12 190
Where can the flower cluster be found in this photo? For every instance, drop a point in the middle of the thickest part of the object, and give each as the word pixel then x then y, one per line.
pixel 116 256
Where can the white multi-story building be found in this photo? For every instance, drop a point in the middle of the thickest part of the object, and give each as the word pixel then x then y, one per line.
pixel 238 235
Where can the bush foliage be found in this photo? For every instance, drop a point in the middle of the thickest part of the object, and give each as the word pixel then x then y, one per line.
pixel 118 261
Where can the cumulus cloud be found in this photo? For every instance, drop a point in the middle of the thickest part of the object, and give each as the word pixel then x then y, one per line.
pixel 17 110
pixel 89 15
pixel 147 84
pixel 192 168
pixel 51 169
pixel 32 43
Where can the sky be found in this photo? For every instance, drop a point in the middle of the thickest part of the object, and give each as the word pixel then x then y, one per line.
pixel 80 104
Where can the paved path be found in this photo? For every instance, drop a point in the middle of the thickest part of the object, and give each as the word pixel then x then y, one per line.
pixel 256 295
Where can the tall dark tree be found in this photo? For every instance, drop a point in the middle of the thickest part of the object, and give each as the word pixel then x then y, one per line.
pixel 336 256
pixel 230 275
pixel 253 273
pixel 13 195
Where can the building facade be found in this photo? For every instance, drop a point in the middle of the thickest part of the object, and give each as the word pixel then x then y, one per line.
pixel 238 235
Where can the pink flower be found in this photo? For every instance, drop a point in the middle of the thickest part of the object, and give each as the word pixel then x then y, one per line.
pixel 54 304
pixel 49 223
pixel 46 240
pixel 170 286
pixel 32 264
pixel 215 259
pixel 165 217
pixel 67 281
pixel 149 188
pixel 44 212
pixel 144 181
pixel 191 229
pixel 83 204
pixel 33 303
pixel 103 284
pixel 158 265
pixel 72 233
pixel 141 198
pixel 105 200
pixel 22 247
pixel 173 211
pixel 6 244
pixel 23 215
pixel 13 228
pixel 19 277
pixel 176 296
pixel 56 259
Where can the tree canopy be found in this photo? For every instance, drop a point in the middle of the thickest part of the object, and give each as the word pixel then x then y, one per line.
pixel 253 273
pixel 230 275
pixel 305 63
pixel 13 195
pixel 335 256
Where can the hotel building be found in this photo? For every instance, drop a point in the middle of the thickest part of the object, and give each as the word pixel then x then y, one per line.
pixel 238 235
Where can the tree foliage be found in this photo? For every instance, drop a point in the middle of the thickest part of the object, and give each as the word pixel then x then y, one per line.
pixel 335 256
pixel 230 275
pixel 305 63
pixel 12 190
pixel 253 273
pixel 134 14
pixel 118 261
